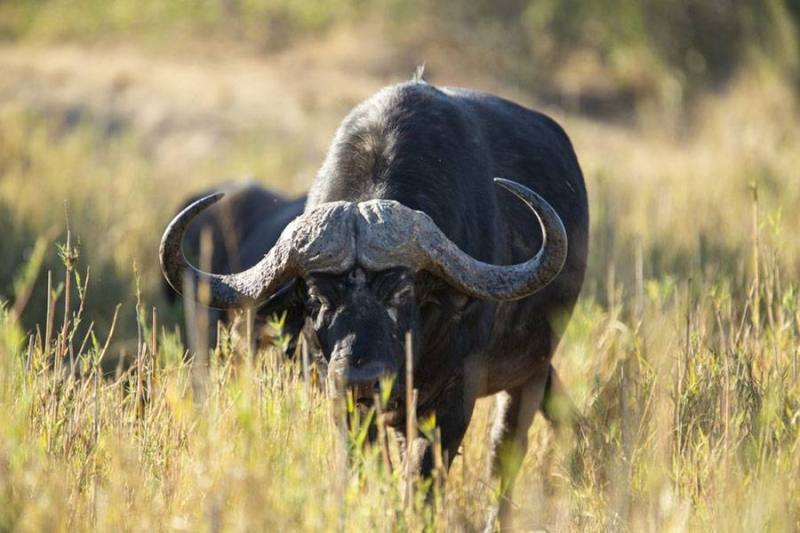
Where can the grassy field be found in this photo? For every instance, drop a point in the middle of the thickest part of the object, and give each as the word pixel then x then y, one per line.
pixel 683 354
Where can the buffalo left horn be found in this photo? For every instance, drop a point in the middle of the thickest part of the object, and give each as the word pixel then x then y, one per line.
pixel 394 234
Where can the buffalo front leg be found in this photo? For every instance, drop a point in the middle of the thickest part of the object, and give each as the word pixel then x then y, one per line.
pixel 453 413
pixel 514 414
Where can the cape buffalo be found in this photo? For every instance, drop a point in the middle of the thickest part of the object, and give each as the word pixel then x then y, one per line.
pixel 407 228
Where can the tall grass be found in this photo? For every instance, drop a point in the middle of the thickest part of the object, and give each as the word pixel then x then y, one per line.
pixel 691 420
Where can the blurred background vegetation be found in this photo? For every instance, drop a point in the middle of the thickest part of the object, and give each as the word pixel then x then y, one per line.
pixel 609 57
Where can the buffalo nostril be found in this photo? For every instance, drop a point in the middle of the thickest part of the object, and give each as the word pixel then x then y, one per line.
pixel 360 362
pixel 365 382
pixel 364 392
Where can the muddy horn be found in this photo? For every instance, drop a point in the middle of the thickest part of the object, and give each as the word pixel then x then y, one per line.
pixel 494 282
pixel 395 234
pixel 302 247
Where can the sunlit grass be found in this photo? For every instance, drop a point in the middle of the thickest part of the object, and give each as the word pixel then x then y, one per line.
pixel 691 415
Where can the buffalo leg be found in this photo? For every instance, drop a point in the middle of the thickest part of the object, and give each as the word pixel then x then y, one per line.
pixel 515 411
pixel 452 418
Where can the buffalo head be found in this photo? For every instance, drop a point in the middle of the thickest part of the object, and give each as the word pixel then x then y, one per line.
pixel 357 264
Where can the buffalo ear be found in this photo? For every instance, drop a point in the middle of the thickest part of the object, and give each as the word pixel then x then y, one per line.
pixel 291 299
pixel 288 297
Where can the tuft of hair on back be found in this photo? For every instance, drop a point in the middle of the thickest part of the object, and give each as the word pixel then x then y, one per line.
pixel 419 74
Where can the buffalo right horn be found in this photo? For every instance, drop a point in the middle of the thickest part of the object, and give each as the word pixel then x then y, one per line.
pixel 319 240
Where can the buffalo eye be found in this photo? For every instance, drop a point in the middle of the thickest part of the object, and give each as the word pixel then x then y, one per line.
pixel 399 298
pixel 318 307
pixel 402 296
pixel 316 298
